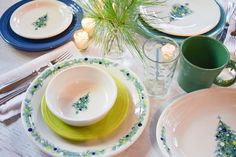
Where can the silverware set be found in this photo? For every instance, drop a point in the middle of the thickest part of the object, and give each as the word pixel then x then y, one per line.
pixel 16 87
pixel 231 6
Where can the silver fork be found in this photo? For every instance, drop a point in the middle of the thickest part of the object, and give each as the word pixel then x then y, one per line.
pixel 16 87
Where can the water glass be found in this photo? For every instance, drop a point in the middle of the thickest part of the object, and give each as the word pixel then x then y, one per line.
pixel 160 58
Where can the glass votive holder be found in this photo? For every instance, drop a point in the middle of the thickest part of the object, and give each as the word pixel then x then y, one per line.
pixel 160 59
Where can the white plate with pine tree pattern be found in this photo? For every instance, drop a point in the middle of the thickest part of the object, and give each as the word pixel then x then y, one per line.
pixel 199 124
pixel 182 17
pixel 41 19
pixel 118 141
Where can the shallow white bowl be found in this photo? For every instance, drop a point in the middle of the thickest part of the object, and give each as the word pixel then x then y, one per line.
pixel 81 95
pixel 199 124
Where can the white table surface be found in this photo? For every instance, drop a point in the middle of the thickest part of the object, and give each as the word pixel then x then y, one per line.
pixel 15 143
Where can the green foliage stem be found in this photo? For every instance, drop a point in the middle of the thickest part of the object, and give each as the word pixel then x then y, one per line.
pixel 116 20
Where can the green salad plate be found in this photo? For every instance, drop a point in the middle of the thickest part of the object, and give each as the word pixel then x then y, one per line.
pixel 100 129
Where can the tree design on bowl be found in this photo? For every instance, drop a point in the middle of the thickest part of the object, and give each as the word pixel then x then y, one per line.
pixel 81 104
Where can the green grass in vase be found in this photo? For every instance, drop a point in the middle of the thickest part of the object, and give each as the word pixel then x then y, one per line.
pixel 116 22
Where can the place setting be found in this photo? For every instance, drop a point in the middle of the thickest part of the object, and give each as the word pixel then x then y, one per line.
pixel 62 124
pixel 181 19
pixel 35 26
pixel 104 90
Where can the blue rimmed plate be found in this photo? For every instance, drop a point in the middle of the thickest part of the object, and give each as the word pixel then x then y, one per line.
pixel 43 44
pixel 127 133
pixel 148 31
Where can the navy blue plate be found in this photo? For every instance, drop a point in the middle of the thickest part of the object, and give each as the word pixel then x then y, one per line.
pixel 32 45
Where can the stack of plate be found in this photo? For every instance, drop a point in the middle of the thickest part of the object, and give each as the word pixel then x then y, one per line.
pixel 40 25
pixel 180 19
pixel 119 129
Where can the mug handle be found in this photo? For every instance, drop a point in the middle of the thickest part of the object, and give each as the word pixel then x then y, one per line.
pixel 226 83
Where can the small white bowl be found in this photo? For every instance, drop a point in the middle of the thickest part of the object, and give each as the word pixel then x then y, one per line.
pixel 81 95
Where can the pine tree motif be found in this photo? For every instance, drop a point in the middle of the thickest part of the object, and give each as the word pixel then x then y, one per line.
pixel 179 11
pixel 81 104
pixel 41 22
pixel 226 140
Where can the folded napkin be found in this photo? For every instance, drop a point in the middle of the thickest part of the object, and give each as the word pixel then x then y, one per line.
pixel 12 107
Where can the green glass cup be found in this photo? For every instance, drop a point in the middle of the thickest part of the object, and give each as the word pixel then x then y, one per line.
pixel 201 61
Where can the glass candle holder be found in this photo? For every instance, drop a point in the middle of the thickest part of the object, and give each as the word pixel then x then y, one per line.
pixel 160 59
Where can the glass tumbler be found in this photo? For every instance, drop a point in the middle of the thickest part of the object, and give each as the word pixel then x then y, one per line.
pixel 160 59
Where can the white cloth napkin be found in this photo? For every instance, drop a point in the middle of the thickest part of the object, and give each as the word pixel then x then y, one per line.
pixel 12 107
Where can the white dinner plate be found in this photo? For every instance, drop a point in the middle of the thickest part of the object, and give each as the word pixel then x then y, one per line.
pixel 122 138
pixel 41 19
pixel 182 17
pixel 199 124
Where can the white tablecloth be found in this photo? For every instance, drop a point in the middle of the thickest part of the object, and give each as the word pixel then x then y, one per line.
pixel 15 143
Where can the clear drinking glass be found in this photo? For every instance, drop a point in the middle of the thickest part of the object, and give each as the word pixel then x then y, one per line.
pixel 160 58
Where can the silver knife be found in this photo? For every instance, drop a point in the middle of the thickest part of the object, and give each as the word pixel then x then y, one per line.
pixel 221 37
pixel 11 85
pixel 13 93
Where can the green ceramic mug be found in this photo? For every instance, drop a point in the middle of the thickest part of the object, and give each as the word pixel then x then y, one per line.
pixel 201 61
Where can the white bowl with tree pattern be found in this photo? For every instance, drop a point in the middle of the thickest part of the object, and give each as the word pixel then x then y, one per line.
pixel 81 95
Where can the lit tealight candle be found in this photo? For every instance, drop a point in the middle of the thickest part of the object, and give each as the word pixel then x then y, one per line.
pixel 81 39
pixel 168 52
pixel 88 25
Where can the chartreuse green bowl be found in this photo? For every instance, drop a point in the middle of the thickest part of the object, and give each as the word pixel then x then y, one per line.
pixel 107 125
